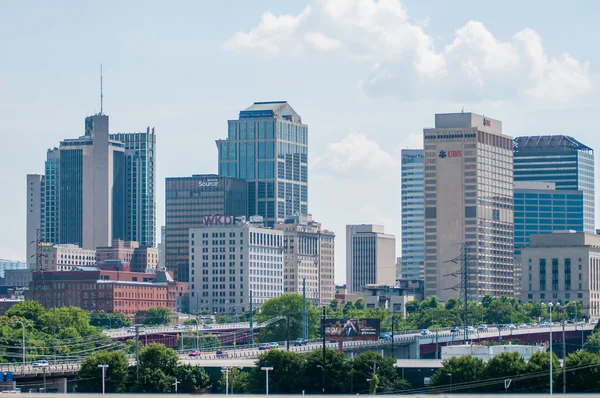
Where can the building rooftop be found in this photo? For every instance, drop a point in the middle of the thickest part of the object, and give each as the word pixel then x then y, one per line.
pixel 548 143
pixel 265 106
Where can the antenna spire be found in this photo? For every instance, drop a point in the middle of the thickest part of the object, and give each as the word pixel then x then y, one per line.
pixel 101 94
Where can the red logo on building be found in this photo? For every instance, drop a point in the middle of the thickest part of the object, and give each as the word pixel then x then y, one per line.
pixel 218 220
pixel 486 122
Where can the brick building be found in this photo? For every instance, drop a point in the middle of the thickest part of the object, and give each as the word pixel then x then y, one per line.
pixel 104 289
pixel 139 258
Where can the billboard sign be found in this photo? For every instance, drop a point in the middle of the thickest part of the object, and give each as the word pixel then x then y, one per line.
pixel 352 329
pixel 219 220
pixel 211 182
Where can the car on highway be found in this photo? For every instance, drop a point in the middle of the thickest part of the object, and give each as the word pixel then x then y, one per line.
pixel 264 346
pixel 424 332
pixel 274 345
pixel 594 321
pixel 300 341
pixel 40 364
pixel 470 329
pixel 131 330
pixel 523 326
pixel 221 354
pixel 454 329
pixel 207 326
pixel 194 354
pixel 178 326
pixel 385 336
pixel 483 327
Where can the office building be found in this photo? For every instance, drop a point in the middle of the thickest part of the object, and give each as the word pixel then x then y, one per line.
pixel 130 254
pixel 268 147
pixel 188 201
pixel 140 179
pixel 561 160
pixel 309 259
pixel 468 202
pixel 370 257
pixel 98 289
pixel 232 260
pixel 66 257
pixel 540 208
pixel 413 217
pixel 36 197
pixel 91 206
pixel 161 248
pixel 51 181
pixel 6 265
pixel 563 266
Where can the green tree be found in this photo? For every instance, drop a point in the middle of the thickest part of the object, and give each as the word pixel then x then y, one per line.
pixel 283 379
pixel 157 356
pixel 507 365
pixel 103 320
pixel 337 372
pixel 289 304
pixel 360 304
pixel 370 364
pixel 334 305
pixel 30 310
pixel 412 306
pixel 238 381
pixel 348 307
pixel 154 381
pixel 486 301
pixel 462 372
pixel 89 378
pixel 583 372
pixel 592 344
pixel 191 378
pixel 539 364
pixel 157 316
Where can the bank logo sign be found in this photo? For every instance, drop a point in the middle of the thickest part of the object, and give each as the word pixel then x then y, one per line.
pixel 450 154
pixel 211 182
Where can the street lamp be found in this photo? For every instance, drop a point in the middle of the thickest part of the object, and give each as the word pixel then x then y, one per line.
pixel 226 369
pixel 450 375
pixel 550 305
pixel 23 347
pixel 103 376
pixel 267 368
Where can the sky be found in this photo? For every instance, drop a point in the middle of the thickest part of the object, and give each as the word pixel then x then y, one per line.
pixel 366 76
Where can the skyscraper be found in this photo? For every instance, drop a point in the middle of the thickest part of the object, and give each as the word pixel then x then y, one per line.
pixel 468 201
pixel 268 147
pixel 91 206
pixel 413 217
pixel 562 160
pixel 35 215
pixel 188 201
pixel 370 257
pixel 52 169
pixel 140 166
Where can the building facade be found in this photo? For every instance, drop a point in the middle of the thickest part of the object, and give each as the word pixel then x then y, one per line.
pixel 131 254
pixel 92 187
pixel 66 257
pixel 94 289
pixel 563 266
pixel 370 257
pixel 413 216
pixel 309 259
pixel 268 147
pixel 468 206
pixel 540 208
pixel 232 261
pixel 36 207
pixel 140 179
pixel 188 201
pixel 561 160
pixel 51 180
pixel 6 265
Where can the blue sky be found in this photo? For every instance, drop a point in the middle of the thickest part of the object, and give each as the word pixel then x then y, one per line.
pixel 365 75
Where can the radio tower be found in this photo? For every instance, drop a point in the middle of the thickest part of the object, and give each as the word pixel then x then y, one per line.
pixel 38 273
pixel 463 287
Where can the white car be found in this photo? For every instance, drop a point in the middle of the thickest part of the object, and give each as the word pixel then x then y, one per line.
pixel 40 364
pixel 274 345
pixel 178 326
pixel 424 332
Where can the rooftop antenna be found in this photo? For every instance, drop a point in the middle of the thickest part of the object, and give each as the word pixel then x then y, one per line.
pixel 101 94
pixel 462 110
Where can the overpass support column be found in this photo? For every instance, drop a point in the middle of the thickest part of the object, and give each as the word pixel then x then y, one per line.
pixel 61 384
pixel 414 350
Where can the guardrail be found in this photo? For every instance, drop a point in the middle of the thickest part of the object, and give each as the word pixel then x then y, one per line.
pixel 30 370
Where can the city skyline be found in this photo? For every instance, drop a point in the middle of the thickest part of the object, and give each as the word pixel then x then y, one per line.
pixel 355 136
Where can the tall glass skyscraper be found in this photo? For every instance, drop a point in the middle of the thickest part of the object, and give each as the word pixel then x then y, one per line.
pixel 562 160
pixel 51 169
pixel 268 147
pixel 413 217
pixel 140 179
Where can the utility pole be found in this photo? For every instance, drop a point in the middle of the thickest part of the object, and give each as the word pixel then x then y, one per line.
pixel 324 347
pixel 251 325
pixel 465 283
pixel 288 332
pixel 137 352
pixel 304 318
pixel 393 313
pixel 564 349
pixel 103 377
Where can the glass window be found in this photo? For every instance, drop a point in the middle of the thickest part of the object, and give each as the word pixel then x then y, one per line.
pixel 270 149
pixel 250 173
pixel 261 130
pixel 270 169
pixel 270 129
pixel 262 150
pixel 232 131
pixel 261 170
pixel 250 130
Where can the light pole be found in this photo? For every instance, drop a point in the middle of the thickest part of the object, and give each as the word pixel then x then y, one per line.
pixel 103 377
pixel 450 375
pixel 226 369
pixel 550 305
pixel 267 368
pixel 23 347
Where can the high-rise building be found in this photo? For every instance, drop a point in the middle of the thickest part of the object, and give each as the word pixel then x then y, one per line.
pixel 36 197
pixel 309 259
pixel 468 202
pixel 188 201
pixel 232 260
pixel 140 166
pixel 92 187
pixel 370 257
pixel 52 169
pixel 268 147
pixel 413 217
pixel 562 160
pixel 161 248
pixel 541 209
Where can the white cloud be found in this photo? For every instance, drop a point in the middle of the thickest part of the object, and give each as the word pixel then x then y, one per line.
pixel 475 64
pixel 357 150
